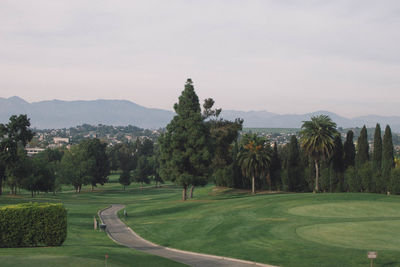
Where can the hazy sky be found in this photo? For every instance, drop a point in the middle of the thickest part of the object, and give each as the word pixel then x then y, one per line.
pixel 281 56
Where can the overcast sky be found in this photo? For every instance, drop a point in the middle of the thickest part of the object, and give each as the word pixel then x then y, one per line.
pixel 280 56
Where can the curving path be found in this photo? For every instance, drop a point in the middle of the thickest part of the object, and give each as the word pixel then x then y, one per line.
pixel 124 235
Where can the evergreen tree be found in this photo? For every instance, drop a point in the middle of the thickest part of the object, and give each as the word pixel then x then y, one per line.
pixel 362 155
pixel 125 178
pixel 351 180
pixel 143 170
pixel 336 178
pixel 13 135
pixel 377 153
pixel 275 169
pixel 294 167
pixel 394 186
pixel 387 156
pixel 100 170
pixel 349 150
pixel 185 146
pixel 365 175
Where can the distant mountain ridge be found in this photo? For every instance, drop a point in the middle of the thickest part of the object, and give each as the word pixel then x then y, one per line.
pixel 53 114
pixel 63 114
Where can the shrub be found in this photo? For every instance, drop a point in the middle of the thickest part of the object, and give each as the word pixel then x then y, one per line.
pixel 33 224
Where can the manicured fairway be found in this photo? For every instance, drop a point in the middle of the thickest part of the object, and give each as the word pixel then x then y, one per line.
pixel 84 246
pixel 280 229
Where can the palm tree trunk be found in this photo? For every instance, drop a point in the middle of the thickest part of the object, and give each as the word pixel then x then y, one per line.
pixel 316 176
pixel 253 191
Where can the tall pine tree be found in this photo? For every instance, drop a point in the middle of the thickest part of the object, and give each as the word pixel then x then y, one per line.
pixel 387 156
pixel 185 146
pixel 349 150
pixel 362 155
pixel 377 152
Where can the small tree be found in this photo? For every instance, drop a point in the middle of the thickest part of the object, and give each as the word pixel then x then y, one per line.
pixel 337 165
pixel 254 158
pixel 362 155
pixel 294 167
pixel 125 178
pixel 100 170
pixel 349 150
pixel 377 153
pixel 143 171
pixel 14 134
pixel 275 168
pixel 75 167
pixel 394 185
pixel 387 156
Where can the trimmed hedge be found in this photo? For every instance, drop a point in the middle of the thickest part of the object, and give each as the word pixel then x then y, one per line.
pixel 33 224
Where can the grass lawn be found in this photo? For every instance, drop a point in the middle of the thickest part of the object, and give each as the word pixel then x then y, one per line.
pixel 84 246
pixel 280 229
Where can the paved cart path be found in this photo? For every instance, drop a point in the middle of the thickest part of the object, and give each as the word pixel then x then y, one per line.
pixel 124 235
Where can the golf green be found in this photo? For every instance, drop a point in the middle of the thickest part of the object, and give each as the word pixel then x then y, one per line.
pixel 372 235
pixel 349 209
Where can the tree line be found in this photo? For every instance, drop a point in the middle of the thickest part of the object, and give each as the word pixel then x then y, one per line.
pixel 87 163
pixel 198 147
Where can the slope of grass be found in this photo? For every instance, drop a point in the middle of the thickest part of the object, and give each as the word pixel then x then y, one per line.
pixel 83 246
pixel 280 229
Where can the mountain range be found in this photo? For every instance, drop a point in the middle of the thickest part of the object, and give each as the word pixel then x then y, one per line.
pixel 55 114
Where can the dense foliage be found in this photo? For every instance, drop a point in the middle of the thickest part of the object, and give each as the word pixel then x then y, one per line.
pixel 33 224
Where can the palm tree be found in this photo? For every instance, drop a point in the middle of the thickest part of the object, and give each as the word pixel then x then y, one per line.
pixel 254 158
pixel 317 140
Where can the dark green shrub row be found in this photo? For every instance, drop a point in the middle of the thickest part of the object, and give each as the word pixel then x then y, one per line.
pixel 33 224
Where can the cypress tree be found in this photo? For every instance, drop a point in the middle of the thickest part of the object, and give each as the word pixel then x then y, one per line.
pixel 337 165
pixel 294 168
pixel 362 155
pixel 377 153
pixel 387 156
pixel 349 150
pixel 275 168
pixel 185 146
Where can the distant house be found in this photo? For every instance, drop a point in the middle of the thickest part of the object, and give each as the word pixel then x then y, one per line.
pixel 59 141
pixel 33 150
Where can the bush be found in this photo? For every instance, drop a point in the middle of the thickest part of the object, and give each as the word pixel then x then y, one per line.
pixel 33 224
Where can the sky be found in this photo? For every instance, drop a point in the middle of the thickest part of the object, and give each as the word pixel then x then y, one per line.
pixel 283 56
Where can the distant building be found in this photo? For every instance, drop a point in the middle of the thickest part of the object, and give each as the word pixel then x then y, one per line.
pixel 60 140
pixel 33 150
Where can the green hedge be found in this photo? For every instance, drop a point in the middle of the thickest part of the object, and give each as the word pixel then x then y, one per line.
pixel 33 224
